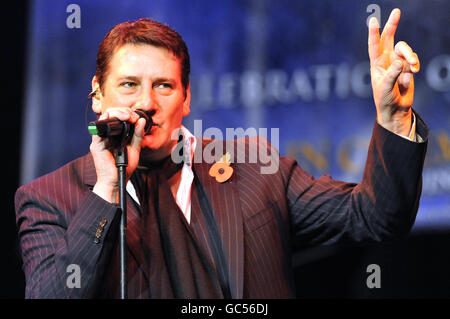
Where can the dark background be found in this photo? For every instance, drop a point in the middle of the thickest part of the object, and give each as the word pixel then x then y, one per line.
pixel 414 267
pixel 13 26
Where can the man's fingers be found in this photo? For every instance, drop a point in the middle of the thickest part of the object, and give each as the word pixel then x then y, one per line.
pixel 387 37
pixel 96 143
pixel 415 67
pixel 123 114
pixel 404 81
pixel 374 39
pixel 392 74
pixel 140 127
pixel 402 49
pixel 138 133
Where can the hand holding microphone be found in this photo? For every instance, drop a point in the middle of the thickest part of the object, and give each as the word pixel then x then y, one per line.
pixel 113 126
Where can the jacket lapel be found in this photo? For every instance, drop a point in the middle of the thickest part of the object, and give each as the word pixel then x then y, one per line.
pixel 225 202
pixel 134 213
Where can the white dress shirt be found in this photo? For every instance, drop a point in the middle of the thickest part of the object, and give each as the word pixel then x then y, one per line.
pixel 187 176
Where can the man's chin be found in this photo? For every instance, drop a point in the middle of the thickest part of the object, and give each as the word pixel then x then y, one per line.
pixel 153 150
pixel 151 141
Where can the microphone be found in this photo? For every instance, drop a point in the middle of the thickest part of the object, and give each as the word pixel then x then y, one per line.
pixel 115 127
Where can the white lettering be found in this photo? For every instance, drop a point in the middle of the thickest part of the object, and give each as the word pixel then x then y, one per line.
pixel 74 279
pixel 73 20
pixel 374 280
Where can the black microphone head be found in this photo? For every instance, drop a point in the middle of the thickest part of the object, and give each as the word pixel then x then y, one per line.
pixel 148 120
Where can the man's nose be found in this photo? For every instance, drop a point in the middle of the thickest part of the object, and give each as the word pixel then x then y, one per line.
pixel 147 101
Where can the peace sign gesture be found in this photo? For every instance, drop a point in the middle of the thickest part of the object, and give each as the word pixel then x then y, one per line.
pixel 391 70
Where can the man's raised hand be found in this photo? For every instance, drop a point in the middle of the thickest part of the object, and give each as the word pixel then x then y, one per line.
pixel 391 69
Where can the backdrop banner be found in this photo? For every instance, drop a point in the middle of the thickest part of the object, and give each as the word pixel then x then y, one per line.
pixel 295 71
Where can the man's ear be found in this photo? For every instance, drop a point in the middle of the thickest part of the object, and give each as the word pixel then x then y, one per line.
pixel 187 101
pixel 95 94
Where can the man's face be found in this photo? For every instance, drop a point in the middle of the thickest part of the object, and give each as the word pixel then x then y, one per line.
pixel 148 78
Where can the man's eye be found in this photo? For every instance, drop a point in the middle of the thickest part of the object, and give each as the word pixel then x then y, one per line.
pixel 129 84
pixel 164 85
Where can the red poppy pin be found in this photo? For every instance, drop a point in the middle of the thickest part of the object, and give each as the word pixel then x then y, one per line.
pixel 222 170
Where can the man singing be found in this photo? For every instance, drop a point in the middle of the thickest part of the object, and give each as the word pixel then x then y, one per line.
pixel 191 235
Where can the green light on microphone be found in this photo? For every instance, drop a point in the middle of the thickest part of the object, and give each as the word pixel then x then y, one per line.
pixel 93 129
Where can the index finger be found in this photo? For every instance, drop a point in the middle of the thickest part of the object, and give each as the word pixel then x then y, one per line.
pixel 374 39
pixel 387 36
pixel 122 113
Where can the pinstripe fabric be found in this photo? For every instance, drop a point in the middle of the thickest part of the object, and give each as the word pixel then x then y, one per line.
pixel 261 218
pixel 226 206
pixel 198 226
pixel 53 236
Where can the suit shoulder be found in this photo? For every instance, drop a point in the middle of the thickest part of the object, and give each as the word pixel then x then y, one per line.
pixel 57 180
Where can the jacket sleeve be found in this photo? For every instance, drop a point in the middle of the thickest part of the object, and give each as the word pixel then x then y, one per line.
pixel 62 258
pixel 383 206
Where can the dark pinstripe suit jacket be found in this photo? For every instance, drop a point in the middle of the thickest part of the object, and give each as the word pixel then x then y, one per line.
pixel 260 217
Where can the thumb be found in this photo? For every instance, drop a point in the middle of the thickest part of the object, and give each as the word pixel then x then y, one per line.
pixel 138 134
pixel 392 74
